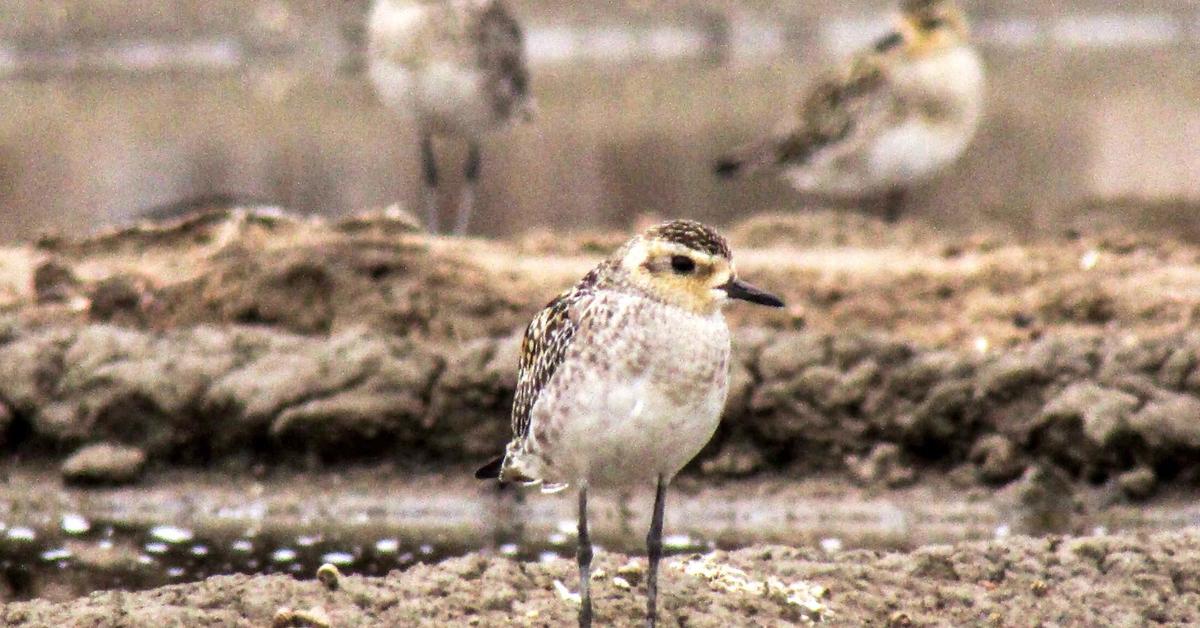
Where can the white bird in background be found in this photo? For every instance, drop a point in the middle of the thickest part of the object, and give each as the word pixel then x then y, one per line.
pixel 889 118
pixel 459 67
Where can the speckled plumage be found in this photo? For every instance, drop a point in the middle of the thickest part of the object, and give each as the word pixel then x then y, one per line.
pixel 623 377
pixel 889 117
pixel 598 351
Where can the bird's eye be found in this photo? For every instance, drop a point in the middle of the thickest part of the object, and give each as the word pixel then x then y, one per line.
pixel 932 23
pixel 682 264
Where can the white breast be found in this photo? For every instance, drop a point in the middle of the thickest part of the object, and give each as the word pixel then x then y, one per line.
pixel 421 61
pixel 921 145
pixel 641 401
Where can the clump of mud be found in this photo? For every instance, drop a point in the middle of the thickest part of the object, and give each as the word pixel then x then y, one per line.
pixel 1107 580
pixel 247 333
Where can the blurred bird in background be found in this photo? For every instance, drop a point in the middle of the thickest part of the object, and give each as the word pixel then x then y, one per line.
pixel 458 66
pixel 887 119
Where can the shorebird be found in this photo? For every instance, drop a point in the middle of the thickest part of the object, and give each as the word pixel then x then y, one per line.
pixel 459 67
pixel 887 119
pixel 623 377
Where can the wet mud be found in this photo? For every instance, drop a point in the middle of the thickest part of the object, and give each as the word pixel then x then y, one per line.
pixel 1101 580
pixel 1051 386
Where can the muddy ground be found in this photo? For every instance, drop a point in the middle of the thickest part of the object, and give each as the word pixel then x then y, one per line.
pixel 1053 581
pixel 247 336
pixel 1002 386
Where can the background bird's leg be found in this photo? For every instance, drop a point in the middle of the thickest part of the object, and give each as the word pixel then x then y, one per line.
pixel 584 554
pixel 429 164
pixel 467 205
pixel 654 552
pixel 893 204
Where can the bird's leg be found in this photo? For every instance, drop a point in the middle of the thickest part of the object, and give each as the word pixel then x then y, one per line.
pixel 471 175
pixel 654 552
pixel 429 165
pixel 893 204
pixel 584 554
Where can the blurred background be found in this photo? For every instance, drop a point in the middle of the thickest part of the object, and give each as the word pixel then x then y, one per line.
pixel 113 108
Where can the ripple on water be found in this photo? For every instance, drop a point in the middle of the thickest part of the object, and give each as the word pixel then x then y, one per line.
pixel 171 534
pixel 56 554
pixel 341 559
pixel 21 533
pixel 75 524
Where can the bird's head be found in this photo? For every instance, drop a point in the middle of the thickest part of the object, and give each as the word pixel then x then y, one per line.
pixel 689 265
pixel 930 26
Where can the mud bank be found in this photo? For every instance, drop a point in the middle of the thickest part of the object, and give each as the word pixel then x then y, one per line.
pixel 238 335
pixel 1106 580
pixel 1096 409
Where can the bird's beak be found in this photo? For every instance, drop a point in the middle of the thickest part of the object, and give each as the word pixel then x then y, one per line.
pixel 738 289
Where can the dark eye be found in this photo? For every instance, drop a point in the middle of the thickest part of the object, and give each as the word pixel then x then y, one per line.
pixel 932 23
pixel 682 264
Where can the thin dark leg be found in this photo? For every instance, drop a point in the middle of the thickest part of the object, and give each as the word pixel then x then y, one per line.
pixel 585 563
pixel 429 165
pixel 893 204
pixel 654 552
pixel 471 174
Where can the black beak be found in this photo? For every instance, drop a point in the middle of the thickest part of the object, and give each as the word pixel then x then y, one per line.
pixel 738 289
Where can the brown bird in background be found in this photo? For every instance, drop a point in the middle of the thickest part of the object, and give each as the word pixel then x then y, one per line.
pixel 887 119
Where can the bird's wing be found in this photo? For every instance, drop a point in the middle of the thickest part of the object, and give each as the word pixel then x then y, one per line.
pixel 842 111
pixel 501 54
pixel 544 347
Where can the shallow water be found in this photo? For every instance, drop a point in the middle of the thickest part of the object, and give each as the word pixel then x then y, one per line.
pixel 73 542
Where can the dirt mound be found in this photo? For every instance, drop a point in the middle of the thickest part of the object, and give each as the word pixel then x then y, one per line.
pixel 248 331
pixel 1100 409
pixel 1108 580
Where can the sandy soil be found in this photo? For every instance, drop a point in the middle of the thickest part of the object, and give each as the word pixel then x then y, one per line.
pixel 1112 581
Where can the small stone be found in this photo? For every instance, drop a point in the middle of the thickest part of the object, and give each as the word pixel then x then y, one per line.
pixel 882 466
pixel 329 576
pixel 54 282
pixel 1103 412
pixel 997 460
pixel 104 464
pixel 118 300
pixel 1170 422
pixel 899 619
pixel 315 617
pixel 1039 588
pixel 1138 484
pixel 734 460
pixel 631 572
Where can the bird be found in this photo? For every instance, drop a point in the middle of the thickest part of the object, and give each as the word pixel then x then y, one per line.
pixel 459 67
pixel 623 377
pixel 887 119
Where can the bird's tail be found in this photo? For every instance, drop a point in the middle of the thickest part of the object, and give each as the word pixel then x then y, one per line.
pixel 491 470
pixel 746 160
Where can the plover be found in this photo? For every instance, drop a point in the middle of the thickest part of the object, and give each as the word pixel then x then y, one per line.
pixel 889 118
pixel 459 67
pixel 623 377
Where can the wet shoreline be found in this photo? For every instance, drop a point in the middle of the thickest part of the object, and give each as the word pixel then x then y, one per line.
pixel 186 526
